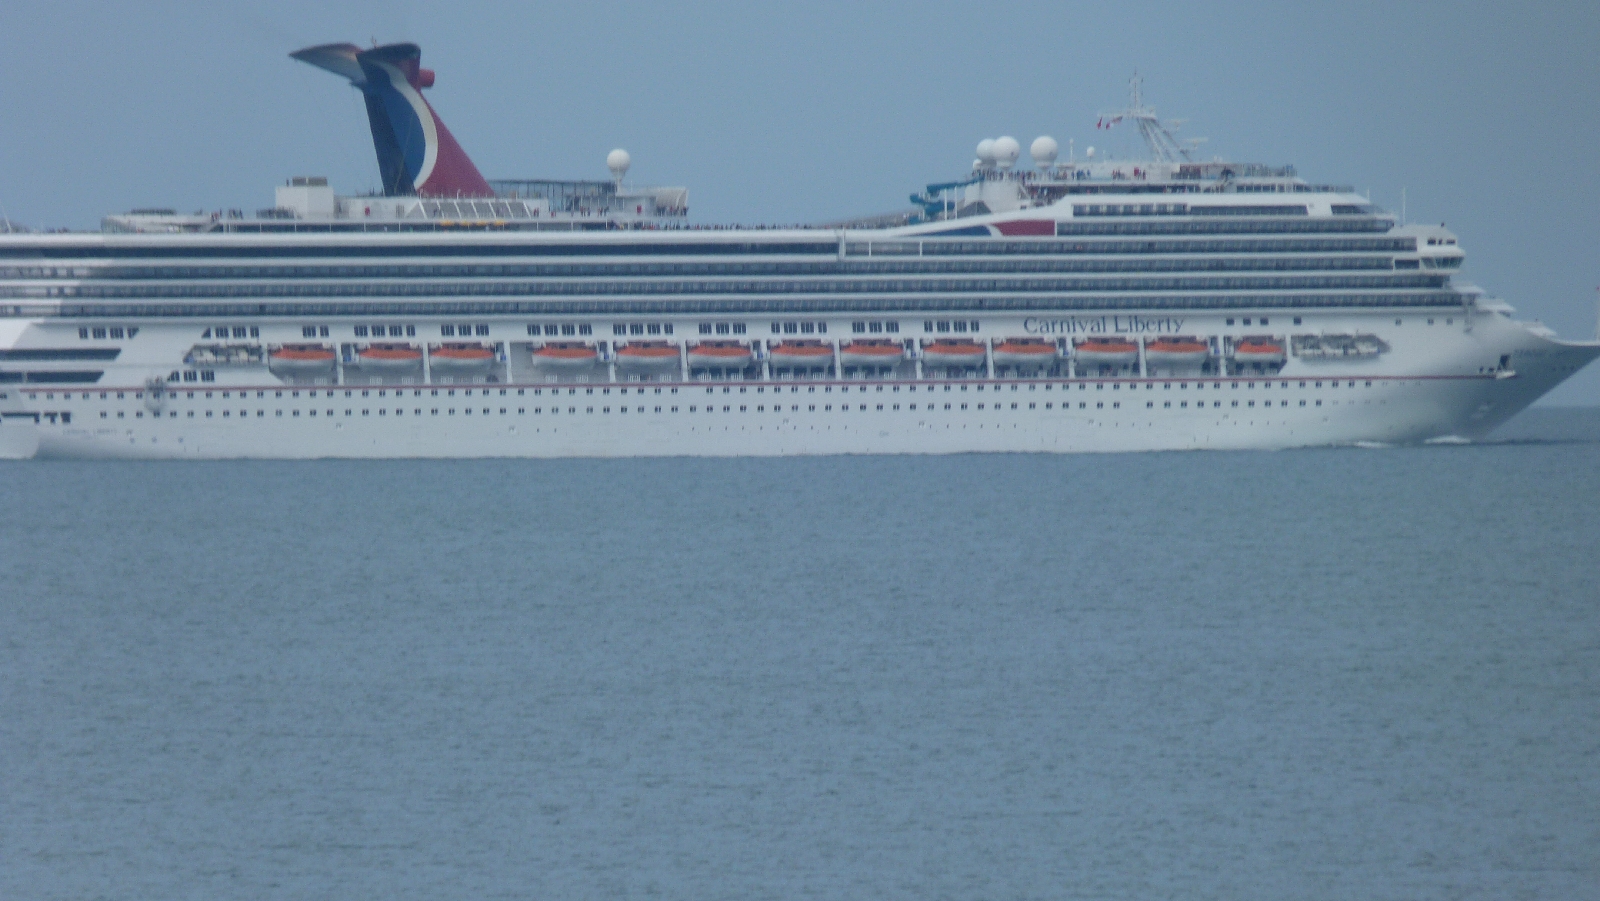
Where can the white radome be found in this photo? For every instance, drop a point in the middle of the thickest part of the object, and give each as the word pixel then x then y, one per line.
pixel 1006 151
pixel 1044 151
pixel 986 151
pixel 618 162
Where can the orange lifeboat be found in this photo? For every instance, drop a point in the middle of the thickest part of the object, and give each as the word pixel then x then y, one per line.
pixel 801 355
pixel 1106 352
pixel 651 356
pixel 389 356
pixel 1260 351
pixel 1024 353
pixel 872 353
pixel 460 356
pixel 300 358
pixel 719 355
pixel 953 353
pixel 1176 351
pixel 565 355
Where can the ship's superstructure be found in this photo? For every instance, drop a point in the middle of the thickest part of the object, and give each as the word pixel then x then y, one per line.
pixel 1084 305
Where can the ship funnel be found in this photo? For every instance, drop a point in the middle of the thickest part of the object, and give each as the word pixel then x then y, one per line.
pixel 416 152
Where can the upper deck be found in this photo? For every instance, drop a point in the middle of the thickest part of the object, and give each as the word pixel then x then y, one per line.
pixel 1086 234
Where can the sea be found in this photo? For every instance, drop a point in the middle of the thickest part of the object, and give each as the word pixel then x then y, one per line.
pixel 1351 673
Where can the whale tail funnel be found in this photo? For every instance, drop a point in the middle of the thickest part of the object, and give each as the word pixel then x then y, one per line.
pixel 416 152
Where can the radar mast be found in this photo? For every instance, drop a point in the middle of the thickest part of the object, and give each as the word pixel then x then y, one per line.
pixel 1164 145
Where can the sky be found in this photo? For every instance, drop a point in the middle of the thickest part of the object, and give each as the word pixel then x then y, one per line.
pixel 1481 116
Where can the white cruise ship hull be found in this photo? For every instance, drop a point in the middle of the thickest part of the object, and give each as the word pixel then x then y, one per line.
pixel 766 418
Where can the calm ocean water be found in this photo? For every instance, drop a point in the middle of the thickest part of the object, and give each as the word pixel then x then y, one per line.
pixel 1361 674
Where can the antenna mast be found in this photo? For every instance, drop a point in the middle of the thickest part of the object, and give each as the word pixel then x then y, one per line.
pixel 1164 147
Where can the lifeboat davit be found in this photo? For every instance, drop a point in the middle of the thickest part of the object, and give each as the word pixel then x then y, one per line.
pixel 1260 351
pixel 1178 351
pixel 301 358
pixel 801 355
pixel 565 355
pixel 953 353
pixel 719 355
pixel 461 356
pixel 389 356
pixel 872 353
pixel 1024 353
pixel 1106 352
pixel 647 356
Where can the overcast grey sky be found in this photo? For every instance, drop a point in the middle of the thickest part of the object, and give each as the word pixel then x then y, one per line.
pixel 1484 114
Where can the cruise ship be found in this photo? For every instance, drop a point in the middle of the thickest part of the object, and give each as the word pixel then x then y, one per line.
pixel 1080 304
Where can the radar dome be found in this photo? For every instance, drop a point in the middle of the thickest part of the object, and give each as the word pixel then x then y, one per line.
pixel 1089 153
pixel 618 162
pixel 1006 151
pixel 986 150
pixel 1044 150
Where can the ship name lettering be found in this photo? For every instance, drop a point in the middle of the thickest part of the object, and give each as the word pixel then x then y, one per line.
pixel 1102 325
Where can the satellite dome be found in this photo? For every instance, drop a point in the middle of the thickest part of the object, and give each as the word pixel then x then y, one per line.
pixel 1044 150
pixel 618 162
pixel 1006 151
pixel 1089 153
pixel 986 150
